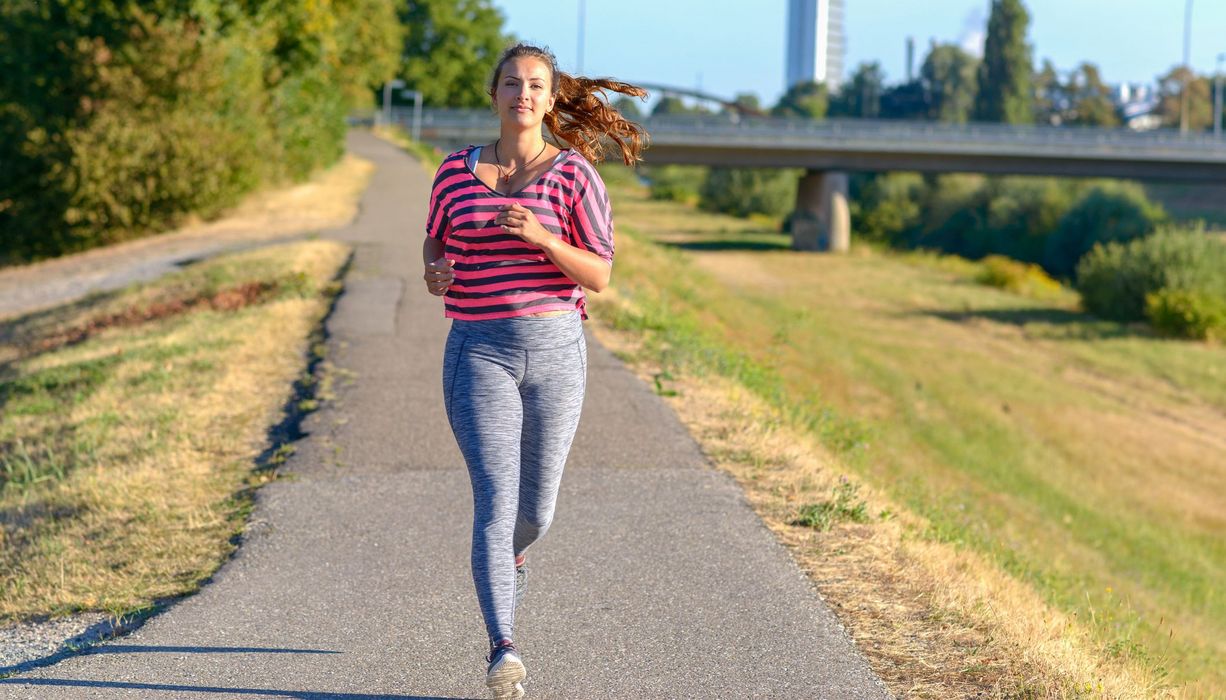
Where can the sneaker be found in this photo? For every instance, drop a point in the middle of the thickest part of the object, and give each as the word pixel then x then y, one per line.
pixel 506 671
pixel 521 583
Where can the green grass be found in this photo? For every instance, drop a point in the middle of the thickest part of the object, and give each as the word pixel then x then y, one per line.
pixel 1086 458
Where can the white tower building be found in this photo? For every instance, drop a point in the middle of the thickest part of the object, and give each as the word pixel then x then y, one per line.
pixel 815 42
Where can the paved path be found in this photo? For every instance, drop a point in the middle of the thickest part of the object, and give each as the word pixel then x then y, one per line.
pixel 656 579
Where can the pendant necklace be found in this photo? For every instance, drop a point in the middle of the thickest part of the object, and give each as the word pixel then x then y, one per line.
pixel 506 174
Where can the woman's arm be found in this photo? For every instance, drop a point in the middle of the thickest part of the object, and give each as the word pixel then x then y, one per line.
pixel 585 267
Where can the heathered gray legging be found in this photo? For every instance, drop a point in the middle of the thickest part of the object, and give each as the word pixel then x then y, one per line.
pixel 513 388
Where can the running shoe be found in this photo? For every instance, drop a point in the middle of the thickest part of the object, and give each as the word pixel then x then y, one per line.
pixel 506 671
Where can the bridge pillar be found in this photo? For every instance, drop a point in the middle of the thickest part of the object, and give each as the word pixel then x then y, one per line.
pixel 822 220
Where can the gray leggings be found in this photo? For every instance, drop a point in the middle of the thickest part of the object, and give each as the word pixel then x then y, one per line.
pixel 513 388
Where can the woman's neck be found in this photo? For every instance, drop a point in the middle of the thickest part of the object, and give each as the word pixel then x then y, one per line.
pixel 519 146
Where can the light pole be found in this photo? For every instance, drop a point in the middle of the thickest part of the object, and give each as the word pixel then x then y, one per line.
pixel 416 95
pixel 1217 96
pixel 387 99
pixel 1187 43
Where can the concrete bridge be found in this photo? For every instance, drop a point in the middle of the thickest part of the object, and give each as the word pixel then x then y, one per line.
pixel 828 149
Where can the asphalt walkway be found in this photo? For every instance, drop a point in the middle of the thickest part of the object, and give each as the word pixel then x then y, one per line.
pixel 656 579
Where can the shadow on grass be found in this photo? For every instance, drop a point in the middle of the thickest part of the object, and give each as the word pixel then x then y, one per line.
pixel 1053 323
pixel 731 244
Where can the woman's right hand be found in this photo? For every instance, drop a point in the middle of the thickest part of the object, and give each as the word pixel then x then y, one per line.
pixel 439 276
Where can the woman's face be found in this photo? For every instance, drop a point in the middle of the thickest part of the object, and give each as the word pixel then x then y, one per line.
pixel 523 94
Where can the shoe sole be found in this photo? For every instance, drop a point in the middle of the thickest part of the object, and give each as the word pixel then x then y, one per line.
pixel 504 681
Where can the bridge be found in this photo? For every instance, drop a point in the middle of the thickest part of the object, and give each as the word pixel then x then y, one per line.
pixel 828 149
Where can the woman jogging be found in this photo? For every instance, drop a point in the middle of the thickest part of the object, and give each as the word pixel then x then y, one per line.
pixel 516 230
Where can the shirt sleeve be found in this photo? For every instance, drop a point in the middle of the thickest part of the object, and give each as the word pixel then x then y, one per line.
pixel 592 215
pixel 438 224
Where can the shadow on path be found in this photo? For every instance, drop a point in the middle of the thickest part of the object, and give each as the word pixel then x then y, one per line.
pixel 173 688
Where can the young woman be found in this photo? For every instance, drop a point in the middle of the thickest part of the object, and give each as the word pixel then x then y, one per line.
pixel 517 229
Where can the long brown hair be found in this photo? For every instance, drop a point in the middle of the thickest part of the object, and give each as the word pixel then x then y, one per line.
pixel 579 117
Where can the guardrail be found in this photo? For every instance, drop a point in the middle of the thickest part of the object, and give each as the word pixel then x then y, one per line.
pixel 876 144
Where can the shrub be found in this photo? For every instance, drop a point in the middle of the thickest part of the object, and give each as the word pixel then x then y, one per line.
pixel 677 183
pixel 1184 313
pixel 745 191
pixel 1108 211
pixel 1018 277
pixel 887 206
pixel 1115 279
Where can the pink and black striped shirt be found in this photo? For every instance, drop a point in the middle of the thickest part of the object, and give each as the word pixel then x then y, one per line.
pixel 498 274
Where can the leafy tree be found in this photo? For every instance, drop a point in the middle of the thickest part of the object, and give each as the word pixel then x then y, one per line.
pixel 807 99
pixel 745 191
pixel 949 77
pixel 1200 98
pixel 748 100
pixel 905 101
pixel 628 106
pixel 1050 100
pixel 450 49
pixel 1004 93
pixel 861 95
pixel 1090 98
pixel 671 104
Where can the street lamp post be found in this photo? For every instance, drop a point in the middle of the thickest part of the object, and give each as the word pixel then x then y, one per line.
pixel 416 95
pixel 1187 44
pixel 387 99
pixel 1217 96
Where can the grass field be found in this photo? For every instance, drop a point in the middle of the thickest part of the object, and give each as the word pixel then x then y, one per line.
pixel 134 424
pixel 1086 459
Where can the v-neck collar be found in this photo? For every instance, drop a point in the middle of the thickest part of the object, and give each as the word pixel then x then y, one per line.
pixel 470 164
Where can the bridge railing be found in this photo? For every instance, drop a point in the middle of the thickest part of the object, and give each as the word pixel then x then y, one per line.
pixel 723 126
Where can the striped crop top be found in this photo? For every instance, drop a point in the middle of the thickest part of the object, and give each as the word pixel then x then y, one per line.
pixel 498 274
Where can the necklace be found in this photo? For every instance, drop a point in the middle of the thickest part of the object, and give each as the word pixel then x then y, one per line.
pixel 506 174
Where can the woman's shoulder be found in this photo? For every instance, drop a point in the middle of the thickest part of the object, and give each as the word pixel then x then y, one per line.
pixel 584 170
pixel 460 154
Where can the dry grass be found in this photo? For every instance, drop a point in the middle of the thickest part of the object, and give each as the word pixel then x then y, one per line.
pixel 927 366
pixel 155 428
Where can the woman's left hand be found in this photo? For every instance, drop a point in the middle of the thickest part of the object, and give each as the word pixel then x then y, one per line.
pixel 517 219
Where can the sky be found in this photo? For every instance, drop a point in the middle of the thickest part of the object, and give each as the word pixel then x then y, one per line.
pixel 727 47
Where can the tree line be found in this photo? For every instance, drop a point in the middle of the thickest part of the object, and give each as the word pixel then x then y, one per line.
pixel 118 118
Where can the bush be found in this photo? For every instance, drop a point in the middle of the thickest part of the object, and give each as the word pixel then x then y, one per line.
pixel 1107 211
pixel 1115 279
pixel 1021 278
pixel 677 183
pixel 887 206
pixel 1186 313
pixel 745 191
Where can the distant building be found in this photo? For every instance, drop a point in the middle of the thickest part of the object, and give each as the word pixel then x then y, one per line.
pixel 815 42
pixel 1138 106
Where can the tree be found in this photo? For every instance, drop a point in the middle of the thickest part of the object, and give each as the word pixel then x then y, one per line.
pixel 628 106
pixel 806 99
pixel 450 50
pixel 1004 93
pixel 905 101
pixel 1090 98
pixel 671 104
pixel 861 95
pixel 1200 98
pixel 1050 101
pixel 949 77
pixel 748 101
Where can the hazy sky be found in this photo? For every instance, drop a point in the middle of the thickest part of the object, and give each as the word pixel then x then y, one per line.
pixel 729 46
